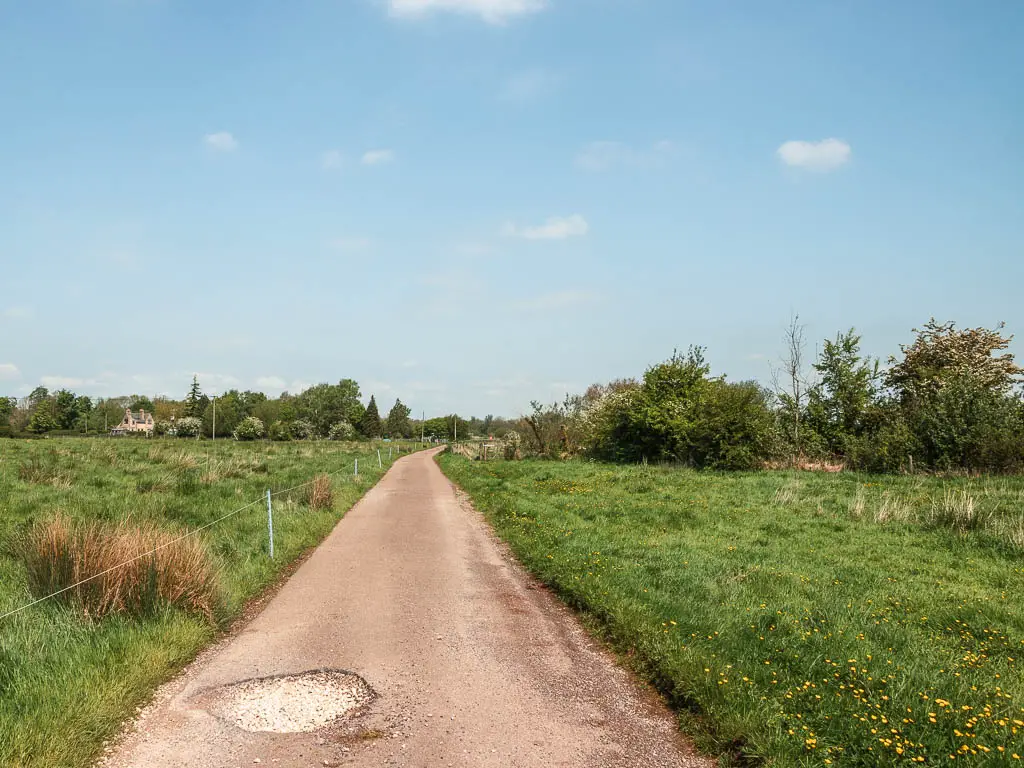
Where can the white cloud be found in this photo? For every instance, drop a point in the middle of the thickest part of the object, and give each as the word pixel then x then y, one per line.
pixel 378 156
pixel 9 371
pixel 557 300
pixel 271 382
pixel 332 160
pixel 605 155
pixel 491 11
pixel 824 155
pixel 528 86
pixel 17 313
pixel 555 228
pixel 222 141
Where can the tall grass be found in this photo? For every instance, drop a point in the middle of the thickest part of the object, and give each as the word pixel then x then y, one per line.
pixel 321 493
pixel 121 568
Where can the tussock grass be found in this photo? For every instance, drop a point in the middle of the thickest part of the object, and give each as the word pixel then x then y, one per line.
pixel 321 493
pixel 859 621
pixel 43 472
pixel 161 568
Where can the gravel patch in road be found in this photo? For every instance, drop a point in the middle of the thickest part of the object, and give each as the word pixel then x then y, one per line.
pixel 292 703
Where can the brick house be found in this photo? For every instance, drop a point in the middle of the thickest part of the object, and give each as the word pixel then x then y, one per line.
pixel 134 423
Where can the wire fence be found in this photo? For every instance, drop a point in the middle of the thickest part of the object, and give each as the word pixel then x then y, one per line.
pixel 188 534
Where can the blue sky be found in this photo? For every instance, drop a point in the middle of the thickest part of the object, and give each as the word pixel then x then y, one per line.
pixel 474 203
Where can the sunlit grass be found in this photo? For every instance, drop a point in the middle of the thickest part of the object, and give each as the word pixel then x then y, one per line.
pixel 67 681
pixel 804 619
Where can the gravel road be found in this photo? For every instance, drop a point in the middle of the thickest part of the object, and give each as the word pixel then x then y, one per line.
pixel 471 663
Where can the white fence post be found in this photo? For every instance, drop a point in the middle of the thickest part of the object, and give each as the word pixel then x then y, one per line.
pixel 380 464
pixel 357 468
pixel 270 523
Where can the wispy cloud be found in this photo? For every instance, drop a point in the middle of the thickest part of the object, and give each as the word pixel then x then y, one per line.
pixel 17 313
pixel 491 11
pixel 557 300
pixel 222 141
pixel 378 156
pixel 555 228
pixel 824 155
pixel 528 86
pixel 332 160
pixel 9 371
pixel 607 155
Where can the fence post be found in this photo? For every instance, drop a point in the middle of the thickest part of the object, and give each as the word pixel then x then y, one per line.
pixel 389 453
pixel 357 468
pixel 270 523
pixel 380 464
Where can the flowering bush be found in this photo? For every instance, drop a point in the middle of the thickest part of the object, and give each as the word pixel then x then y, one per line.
pixel 250 428
pixel 303 430
pixel 342 431
pixel 513 446
pixel 188 426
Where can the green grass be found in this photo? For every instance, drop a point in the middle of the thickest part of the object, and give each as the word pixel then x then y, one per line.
pixel 792 618
pixel 67 683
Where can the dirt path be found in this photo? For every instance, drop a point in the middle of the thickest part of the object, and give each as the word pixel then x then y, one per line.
pixel 472 664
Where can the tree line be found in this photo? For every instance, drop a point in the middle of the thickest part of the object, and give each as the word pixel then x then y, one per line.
pixel 949 401
pixel 324 410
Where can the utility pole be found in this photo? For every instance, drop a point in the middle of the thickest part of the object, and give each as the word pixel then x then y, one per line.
pixel 423 419
pixel 456 428
pixel 214 418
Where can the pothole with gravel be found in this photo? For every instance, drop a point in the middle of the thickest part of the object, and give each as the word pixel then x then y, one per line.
pixel 291 703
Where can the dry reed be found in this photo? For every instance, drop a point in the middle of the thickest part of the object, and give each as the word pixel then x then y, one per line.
pixel 129 569
pixel 321 493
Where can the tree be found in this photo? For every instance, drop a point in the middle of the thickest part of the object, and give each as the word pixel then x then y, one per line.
pixel 195 400
pixel 141 403
pixel 7 406
pixel 44 417
pixel 941 353
pixel 65 404
pixel 790 381
pixel 228 411
pixel 327 404
pixel 837 406
pixel 398 424
pixel 83 407
pixel 370 425
pixel 37 395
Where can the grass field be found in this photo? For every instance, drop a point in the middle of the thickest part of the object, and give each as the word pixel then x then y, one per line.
pixel 66 681
pixel 796 618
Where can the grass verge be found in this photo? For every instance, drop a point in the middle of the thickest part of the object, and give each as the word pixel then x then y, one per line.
pixel 68 678
pixel 793 619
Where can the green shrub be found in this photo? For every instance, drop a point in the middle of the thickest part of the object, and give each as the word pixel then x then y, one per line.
pixel 279 431
pixel 303 430
pixel 250 428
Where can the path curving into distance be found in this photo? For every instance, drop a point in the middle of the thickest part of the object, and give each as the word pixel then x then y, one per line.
pixel 468 662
